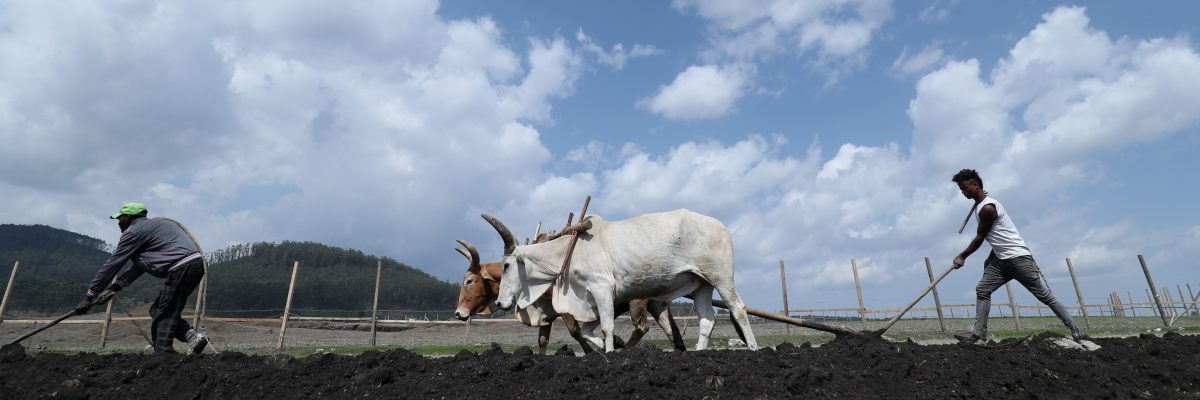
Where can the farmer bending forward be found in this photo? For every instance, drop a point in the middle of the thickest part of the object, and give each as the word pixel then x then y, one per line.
pixel 1010 258
pixel 163 249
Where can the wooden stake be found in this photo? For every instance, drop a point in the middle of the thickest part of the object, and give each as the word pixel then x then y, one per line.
pixel 1112 303
pixel 937 301
pixel 1166 294
pixel 1182 300
pixel 1116 300
pixel 1079 294
pixel 1125 309
pixel 1132 303
pixel 858 288
pixel 1150 281
pixel 107 319
pixel 783 282
pixel 287 307
pixel 375 304
pixel 1189 286
pixel 1012 305
pixel 13 275
pixel 1150 303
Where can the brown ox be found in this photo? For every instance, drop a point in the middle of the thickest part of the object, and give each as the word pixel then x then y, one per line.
pixel 481 286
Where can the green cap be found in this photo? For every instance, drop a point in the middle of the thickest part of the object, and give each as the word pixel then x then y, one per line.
pixel 129 209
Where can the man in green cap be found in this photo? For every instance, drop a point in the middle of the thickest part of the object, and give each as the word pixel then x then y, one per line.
pixel 161 248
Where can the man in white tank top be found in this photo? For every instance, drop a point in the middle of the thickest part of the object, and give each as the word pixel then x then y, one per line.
pixel 1010 258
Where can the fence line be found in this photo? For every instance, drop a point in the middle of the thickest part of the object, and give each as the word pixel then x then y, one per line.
pixel 1159 301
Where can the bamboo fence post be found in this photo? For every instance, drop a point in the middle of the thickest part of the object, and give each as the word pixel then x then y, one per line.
pixel 107 319
pixel 1125 309
pixel 937 301
pixel 1166 296
pixel 1120 307
pixel 1189 286
pixel 1150 303
pixel 1126 306
pixel 287 307
pixel 1012 305
pixel 1132 303
pixel 1078 294
pixel 375 304
pixel 1120 303
pixel 862 314
pixel 13 275
pixel 1182 300
pixel 1150 281
pixel 1112 305
pixel 783 282
pixel 1112 309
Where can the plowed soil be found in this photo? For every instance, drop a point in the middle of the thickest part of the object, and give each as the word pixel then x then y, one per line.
pixel 1139 367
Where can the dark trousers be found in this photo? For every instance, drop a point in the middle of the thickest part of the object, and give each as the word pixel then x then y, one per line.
pixel 1024 269
pixel 168 325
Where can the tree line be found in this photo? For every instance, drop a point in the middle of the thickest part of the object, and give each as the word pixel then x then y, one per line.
pixel 56 266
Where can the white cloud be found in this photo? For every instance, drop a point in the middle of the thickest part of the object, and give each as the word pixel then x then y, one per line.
pixel 936 11
pixel 617 56
pixel 833 28
pixel 925 60
pixel 700 92
pixel 889 207
pixel 397 140
pixel 837 31
pixel 266 121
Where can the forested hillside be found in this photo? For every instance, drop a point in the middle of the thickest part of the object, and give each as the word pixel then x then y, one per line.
pixel 255 277
pixel 56 266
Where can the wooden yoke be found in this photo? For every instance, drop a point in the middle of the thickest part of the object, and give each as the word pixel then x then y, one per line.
pixel 574 231
pixel 570 230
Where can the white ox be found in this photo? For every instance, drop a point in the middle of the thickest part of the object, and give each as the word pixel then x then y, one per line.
pixel 660 256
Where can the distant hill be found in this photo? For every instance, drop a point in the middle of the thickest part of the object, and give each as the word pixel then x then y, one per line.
pixel 255 277
pixel 56 266
pixel 244 280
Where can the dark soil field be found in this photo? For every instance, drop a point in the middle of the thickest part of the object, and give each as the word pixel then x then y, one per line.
pixel 1136 367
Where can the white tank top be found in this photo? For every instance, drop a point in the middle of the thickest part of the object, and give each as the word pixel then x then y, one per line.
pixel 1005 240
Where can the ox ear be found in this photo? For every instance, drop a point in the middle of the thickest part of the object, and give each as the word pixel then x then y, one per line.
pixel 486 275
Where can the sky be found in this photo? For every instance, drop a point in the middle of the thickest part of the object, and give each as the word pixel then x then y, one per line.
pixel 817 131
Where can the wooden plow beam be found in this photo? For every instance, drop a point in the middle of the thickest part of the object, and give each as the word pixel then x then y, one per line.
pixel 836 330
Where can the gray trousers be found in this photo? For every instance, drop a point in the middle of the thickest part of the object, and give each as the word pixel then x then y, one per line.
pixel 1024 269
pixel 168 325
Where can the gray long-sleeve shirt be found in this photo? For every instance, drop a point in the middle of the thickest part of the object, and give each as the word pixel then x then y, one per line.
pixel 154 246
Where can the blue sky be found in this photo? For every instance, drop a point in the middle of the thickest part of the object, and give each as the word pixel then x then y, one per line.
pixel 816 131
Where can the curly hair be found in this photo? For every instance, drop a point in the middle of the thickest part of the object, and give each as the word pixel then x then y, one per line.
pixel 967 175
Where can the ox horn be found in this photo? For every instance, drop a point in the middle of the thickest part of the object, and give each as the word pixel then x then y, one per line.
pixel 474 257
pixel 510 243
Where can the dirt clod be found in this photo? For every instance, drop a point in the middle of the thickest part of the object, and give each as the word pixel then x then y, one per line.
pixel 12 353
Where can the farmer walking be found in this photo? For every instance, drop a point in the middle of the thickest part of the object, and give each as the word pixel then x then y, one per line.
pixel 1010 258
pixel 163 249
